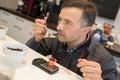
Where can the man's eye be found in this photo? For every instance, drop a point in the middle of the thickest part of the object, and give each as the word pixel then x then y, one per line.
pixel 67 22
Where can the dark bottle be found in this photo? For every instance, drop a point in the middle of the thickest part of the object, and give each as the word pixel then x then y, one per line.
pixel 39 8
pixel 27 6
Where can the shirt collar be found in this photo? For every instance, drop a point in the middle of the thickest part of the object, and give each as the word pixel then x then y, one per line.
pixel 85 43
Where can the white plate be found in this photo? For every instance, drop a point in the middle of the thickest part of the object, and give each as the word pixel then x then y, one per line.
pixel 8 63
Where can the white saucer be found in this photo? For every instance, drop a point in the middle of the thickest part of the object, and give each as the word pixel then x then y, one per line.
pixel 8 63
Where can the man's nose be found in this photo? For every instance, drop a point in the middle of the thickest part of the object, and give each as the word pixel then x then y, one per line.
pixel 60 26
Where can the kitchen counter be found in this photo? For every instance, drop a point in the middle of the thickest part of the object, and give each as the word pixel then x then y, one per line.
pixel 27 71
pixel 50 25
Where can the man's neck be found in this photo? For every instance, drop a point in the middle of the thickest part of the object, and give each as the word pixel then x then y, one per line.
pixel 76 42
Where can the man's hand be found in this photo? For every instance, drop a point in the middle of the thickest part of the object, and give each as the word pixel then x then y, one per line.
pixel 39 28
pixel 91 70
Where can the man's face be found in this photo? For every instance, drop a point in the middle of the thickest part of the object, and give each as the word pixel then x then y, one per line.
pixel 69 24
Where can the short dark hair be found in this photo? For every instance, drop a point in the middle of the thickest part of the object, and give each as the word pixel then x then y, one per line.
pixel 89 8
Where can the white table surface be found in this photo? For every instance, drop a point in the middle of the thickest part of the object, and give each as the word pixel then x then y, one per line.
pixel 27 71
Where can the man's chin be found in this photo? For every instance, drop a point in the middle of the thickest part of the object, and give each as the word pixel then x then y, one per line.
pixel 61 40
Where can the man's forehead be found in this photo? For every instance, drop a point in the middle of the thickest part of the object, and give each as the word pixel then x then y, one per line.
pixel 69 13
pixel 71 8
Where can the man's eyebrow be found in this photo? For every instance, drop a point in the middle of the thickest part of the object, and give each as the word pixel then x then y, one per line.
pixel 65 19
pixel 68 20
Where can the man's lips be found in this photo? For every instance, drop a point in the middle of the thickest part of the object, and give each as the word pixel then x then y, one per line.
pixel 60 34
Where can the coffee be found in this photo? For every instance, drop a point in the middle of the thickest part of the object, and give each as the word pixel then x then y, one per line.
pixel 1 28
pixel 15 49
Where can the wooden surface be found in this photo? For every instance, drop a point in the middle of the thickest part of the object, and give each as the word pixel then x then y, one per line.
pixel 114 50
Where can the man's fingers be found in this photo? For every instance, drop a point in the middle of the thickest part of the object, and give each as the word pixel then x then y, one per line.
pixel 83 62
pixel 91 76
pixel 39 30
pixel 42 21
pixel 86 79
pixel 92 70
pixel 40 27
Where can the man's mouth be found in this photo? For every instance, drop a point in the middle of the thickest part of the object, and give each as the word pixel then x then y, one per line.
pixel 60 34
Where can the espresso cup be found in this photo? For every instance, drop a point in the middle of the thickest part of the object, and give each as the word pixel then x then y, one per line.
pixel 3 30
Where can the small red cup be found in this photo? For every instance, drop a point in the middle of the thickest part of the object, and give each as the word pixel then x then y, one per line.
pixel 51 62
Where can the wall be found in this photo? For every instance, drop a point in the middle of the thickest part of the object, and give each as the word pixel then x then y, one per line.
pixel 9 3
pixel 2 3
pixel 104 20
pixel 117 22
pixel 117 26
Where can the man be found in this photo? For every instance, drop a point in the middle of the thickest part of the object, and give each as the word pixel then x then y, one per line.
pixel 73 48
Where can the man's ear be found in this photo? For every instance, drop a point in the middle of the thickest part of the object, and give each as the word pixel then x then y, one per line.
pixel 87 29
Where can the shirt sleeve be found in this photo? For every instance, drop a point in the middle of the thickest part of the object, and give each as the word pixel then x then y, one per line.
pixel 33 44
pixel 43 46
